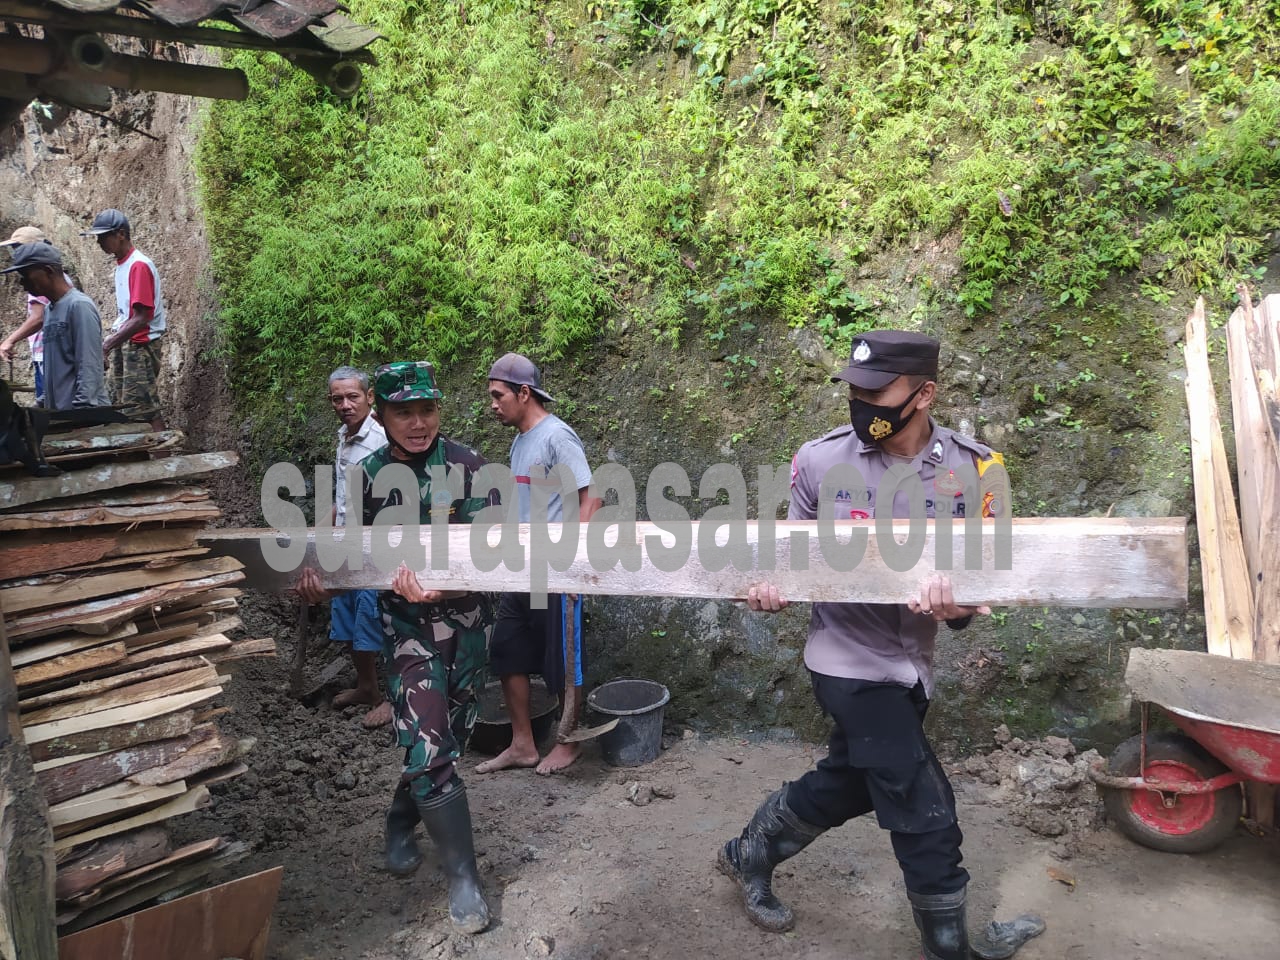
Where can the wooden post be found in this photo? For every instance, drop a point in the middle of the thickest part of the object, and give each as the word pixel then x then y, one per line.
pixel 27 928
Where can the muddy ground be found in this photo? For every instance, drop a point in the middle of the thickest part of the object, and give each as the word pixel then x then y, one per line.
pixel 607 863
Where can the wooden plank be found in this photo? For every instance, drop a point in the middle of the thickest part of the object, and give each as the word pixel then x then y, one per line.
pixel 58 444
pixel 89 688
pixel 115 738
pixel 245 650
pixel 1263 470
pixel 85 774
pixel 223 625
pixel 201 511
pixel 197 646
pixel 196 679
pixel 151 493
pixel 109 858
pixel 178 631
pixel 214 751
pixel 23 556
pixel 45 650
pixel 1228 597
pixel 228 771
pixel 1069 562
pixel 99 616
pixel 198 604
pixel 26 853
pixel 212 940
pixel 146 871
pixel 24 490
pixel 118 716
pixel 193 799
pixel 146 561
pixel 80 589
pixel 98 430
pixel 78 813
pixel 70 664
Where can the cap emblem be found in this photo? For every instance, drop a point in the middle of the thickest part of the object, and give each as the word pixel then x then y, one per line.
pixel 861 352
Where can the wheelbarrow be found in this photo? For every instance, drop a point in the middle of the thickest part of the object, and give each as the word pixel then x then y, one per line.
pixel 1180 792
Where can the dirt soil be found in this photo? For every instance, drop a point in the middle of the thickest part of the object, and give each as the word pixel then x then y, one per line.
pixel 607 863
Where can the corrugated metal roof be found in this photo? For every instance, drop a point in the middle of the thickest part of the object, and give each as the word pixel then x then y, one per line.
pixel 318 23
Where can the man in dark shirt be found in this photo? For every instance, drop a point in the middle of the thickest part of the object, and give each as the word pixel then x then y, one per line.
pixel 73 367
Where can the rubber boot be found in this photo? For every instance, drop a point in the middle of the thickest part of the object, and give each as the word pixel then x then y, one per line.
pixel 944 935
pixel 447 817
pixel 773 835
pixel 403 855
pixel 940 919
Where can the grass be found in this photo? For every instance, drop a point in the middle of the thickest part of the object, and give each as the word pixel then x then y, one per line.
pixel 523 175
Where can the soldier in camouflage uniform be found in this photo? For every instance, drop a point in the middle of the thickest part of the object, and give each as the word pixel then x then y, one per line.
pixel 435 641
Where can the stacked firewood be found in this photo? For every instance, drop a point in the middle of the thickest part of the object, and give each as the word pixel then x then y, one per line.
pixel 1239 550
pixel 119 627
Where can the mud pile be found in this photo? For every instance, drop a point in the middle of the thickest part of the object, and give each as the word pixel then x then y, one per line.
pixel 1044 784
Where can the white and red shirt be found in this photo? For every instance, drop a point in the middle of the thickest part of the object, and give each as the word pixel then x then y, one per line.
pixel 138 285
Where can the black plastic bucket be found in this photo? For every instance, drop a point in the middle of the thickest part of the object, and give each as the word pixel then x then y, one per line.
pixel 637 705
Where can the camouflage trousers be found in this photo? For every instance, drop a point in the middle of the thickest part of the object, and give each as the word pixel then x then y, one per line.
pixel 438 665
pixel 132 381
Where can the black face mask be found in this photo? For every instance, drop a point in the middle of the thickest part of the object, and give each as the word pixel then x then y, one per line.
pixel 873 423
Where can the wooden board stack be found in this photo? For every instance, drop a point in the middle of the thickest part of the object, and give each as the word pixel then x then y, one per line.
pixel 1239 552
pixel 119 626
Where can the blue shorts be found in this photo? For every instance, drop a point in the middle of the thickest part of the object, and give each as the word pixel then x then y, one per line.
pixel 354 619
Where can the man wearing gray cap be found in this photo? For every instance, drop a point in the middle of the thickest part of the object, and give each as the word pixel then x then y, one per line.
pixel 140 320
pixel 526 640
pixel 32 326
pixel 72 330
pixel 872 664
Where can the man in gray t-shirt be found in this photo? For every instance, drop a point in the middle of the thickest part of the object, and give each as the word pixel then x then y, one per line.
pixel 73 368
pixel 525 640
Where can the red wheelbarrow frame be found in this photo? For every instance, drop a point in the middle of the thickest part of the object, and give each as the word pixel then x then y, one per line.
pixel 1098 774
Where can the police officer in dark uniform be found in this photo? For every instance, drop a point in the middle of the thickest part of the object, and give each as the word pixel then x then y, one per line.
pixel 872 664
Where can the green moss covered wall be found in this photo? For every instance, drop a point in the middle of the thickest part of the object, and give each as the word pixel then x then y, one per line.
pixel 685 210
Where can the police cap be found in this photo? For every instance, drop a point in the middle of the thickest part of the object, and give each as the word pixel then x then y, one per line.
pixel 879 357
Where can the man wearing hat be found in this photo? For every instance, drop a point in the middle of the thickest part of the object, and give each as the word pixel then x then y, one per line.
pixel 871 665
pixel 140 320
pixel 434 640
pixel 72 330
pixel 525 640
pixel 32 326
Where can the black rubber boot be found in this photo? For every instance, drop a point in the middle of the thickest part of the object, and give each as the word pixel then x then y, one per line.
pixel 403 855
pixel 944 935
pixel 773 835
pixel 447 817
pixel 940 919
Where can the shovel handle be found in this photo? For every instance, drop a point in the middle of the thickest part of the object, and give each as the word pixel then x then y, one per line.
pixel 569 711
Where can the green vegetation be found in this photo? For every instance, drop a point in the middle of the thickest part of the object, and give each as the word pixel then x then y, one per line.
pixel 523 174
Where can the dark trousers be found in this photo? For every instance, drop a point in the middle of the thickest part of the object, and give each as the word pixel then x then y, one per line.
pixel 879 759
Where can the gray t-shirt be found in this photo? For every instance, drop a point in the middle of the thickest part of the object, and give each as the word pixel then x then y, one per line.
pixel 885 643
pixel 535 454
pixel 73 375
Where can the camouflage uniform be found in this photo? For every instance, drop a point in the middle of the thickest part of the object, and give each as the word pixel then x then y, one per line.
pixel 438 651
pixel 139 394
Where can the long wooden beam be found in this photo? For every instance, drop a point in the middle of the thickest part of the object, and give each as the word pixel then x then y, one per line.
pixel 1085 562
pixel 1228 594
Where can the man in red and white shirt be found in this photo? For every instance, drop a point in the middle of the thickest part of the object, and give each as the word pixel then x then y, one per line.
pixel 140 320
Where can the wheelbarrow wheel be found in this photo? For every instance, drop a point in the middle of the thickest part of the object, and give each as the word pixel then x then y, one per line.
pixel 1188 822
